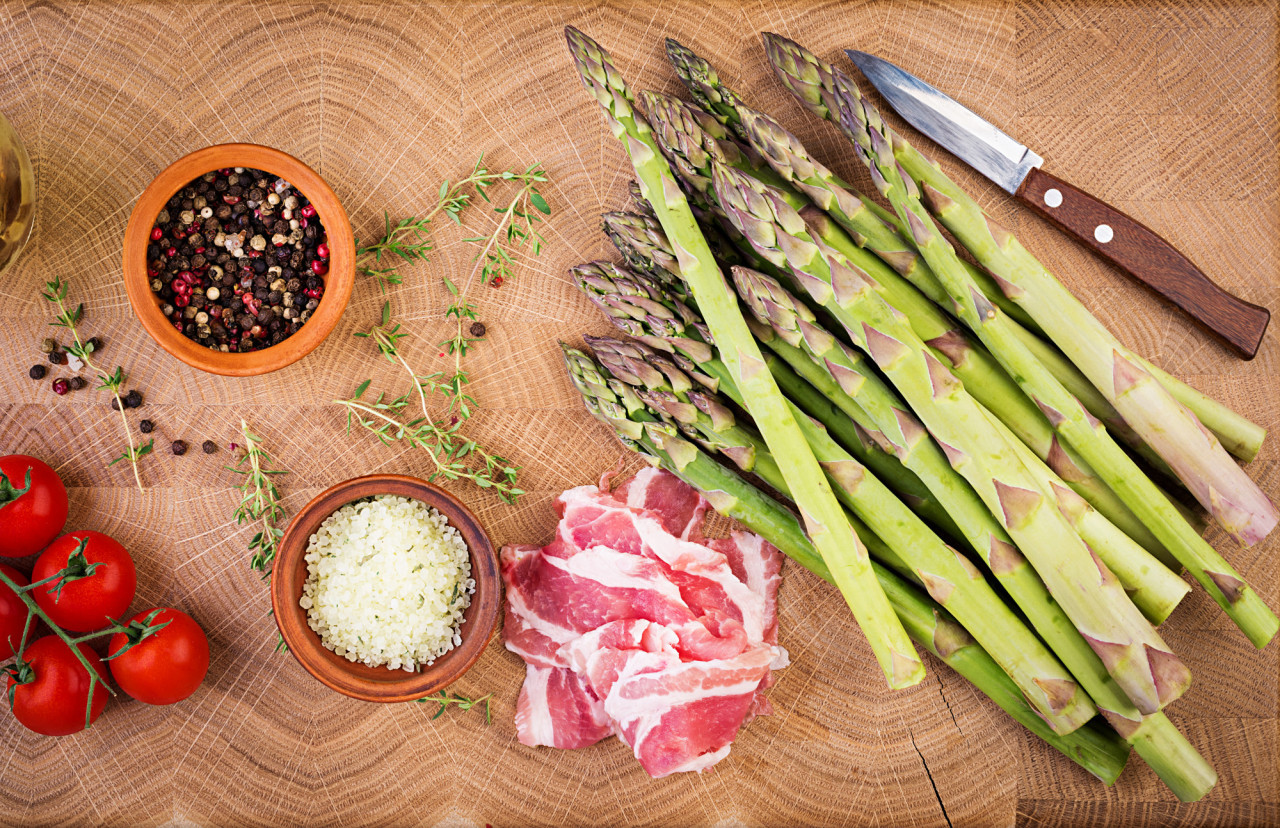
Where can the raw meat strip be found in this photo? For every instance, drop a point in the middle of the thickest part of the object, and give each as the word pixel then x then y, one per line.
pixel 758 564
pixel 632 625
pixel 684 716
pixel 556 709
pixel 681 507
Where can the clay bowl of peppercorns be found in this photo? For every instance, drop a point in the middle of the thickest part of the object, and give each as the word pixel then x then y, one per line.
pixel 238 259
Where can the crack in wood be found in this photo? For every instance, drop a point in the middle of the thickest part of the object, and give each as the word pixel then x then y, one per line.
pixel 929 774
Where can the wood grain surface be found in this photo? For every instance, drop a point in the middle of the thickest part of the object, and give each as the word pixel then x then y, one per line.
pixel 1167 110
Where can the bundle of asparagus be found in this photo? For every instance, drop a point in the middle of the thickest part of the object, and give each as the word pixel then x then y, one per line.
pixel 919 402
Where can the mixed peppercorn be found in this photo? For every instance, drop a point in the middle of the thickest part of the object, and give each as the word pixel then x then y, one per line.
pixel 238 259
pixel 57 356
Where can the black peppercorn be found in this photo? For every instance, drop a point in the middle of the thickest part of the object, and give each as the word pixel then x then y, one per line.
pixel 146 426
pixel 209 447
pixel 229 252
pixel 179 447
pixel 37 372
pixel 477 329
pixel 94 344
pixel 115 403
pixel 58 357
pixel 77 383
pixel 133 399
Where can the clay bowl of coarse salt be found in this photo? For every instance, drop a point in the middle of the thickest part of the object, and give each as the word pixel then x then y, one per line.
pixel 386 588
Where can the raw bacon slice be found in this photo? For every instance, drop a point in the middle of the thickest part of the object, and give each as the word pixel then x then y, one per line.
pixel 684 716
pixel 704 576
pixel 556 709
pixel 680 507
pixel 632 625
pixel 758 564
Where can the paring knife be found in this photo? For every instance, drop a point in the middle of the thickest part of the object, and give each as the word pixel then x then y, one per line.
pixel 1129 244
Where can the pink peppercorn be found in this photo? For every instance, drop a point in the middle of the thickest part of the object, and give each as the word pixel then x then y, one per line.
pixel 308 211
pixel 156 234
pixel 319 268
pixel 171 252
pixel 322 250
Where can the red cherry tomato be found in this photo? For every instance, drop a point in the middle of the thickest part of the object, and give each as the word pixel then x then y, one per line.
pixel 13 613
pixel 33 505
pixel 88 602
pixel 164 667
pixel 51 688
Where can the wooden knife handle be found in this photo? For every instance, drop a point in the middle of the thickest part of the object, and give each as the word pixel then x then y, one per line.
pixel 1138 251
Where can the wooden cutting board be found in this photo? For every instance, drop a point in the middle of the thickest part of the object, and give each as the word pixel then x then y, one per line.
pixel 1167 110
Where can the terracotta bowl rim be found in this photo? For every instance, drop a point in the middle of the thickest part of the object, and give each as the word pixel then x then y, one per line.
pixel 338 281
pixel 382 684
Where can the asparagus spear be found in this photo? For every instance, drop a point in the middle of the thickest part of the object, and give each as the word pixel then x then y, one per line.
pixel 689 139
pixel 874 142
pixel 885 237
pixel 639 307
pixel 881 232
pixel 948 576
pixel 638 200
pixel 955 421
pixel 864 219
pixel 1099 753
pixel 1199 460
pixel 826 522
pixel 1155 738
pixel 1151 586
pixel 821 359
pixel 711 96
pixel 811 80
pixel 1132 651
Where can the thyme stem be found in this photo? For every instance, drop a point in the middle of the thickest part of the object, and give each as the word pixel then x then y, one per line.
pixel 259 501
pixel 56 292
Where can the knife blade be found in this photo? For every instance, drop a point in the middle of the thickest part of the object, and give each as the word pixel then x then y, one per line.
pixel 1130 245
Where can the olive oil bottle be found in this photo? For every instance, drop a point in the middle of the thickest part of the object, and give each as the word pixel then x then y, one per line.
pixel 17 195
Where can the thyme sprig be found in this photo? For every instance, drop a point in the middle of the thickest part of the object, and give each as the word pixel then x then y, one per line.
pixel 517 224
pixel 259 500
pixel 517 227
pixel 462 703
pixel 409 240
pixel 454 455
pixel 55 292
